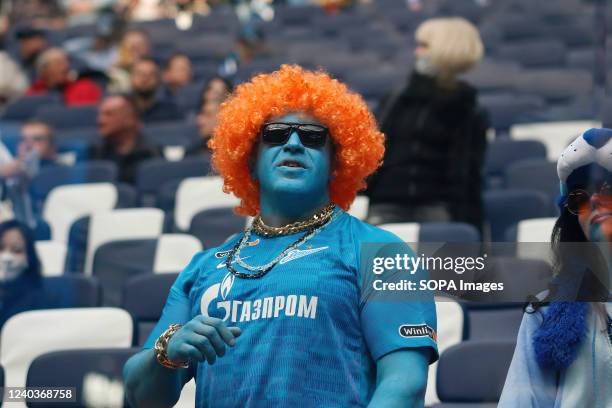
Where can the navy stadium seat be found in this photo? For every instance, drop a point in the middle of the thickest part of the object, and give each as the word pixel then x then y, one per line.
pixel 165 199
pixel 502 152
pixel 117 261
pixel 531 54
pixel 77 245
pixel 506 109
pixel 42 231
pixel 534 174
pixel 127 196
pixel 188 97
pixel 84 134
pixel 473 372
pixel 494 76
pixel 448 232
pixel 175 133
pixel 89 371
pixel 493 321
pixel 74 290
pixel 25 107
pixel 90 172
pixel 516 27
pixel 213 226
pixel 153 173
pixel 144 297
pixel 61 117
pixel 556 85
pixel 504 208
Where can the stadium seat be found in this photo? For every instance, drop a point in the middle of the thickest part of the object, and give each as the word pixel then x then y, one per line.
pixel 359 207
pixel 153 173
pixel 448 232
pixel 494 76
pixel 473 372
pixel 375 84
pixel 535 230
pixel 74 290
pixel 96 374
pixel 21 340
pixel 25 108
pixel 504 151
pixel 67 203
pixel 52 255
pixel 196 194
pixel 176 133
pixel 450 327
pixel 127 196
pixel 117 261
pixel 188 97
pixel 555 135
pixel 407 231
pixel 507 109
pixel 174 251
pixel 534 53
pixel 86 134
pixel 556 85
pixel 528 234
pixel 62 117
pixel 215 225
pixel 90 172
pixel 534 174
pixel 130 223
pixel 144 297
pixel 503 208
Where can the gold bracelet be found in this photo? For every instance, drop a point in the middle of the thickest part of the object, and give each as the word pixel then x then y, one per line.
pixel 161 348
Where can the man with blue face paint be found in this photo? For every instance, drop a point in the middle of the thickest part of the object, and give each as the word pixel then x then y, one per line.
pixel 276 316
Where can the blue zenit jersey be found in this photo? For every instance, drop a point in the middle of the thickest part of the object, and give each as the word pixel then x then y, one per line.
pixel 307 339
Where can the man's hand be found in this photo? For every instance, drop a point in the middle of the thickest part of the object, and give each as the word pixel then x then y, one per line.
pixel 12 168
pixel 202 338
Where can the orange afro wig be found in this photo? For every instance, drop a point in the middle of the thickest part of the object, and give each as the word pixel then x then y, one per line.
pixel 358 145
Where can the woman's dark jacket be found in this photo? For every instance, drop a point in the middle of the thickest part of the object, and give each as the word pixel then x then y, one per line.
pixel 435 144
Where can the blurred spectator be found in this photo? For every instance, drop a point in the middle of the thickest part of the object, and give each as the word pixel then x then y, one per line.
pixel 21 287
pixel 98 53
pixel 216 89
pixel 13 82
pixel 177 73
pixel 32 42
pixel 37 140
pixel 36 150
pixel 182 11
pixel 147 92
pixel 435 134
pixel 54 74
pixel 144 10
pixel 121 140
pixel 135 45
pixel 214 92
pixel 249 44
pixel 36 13
pixel 84 11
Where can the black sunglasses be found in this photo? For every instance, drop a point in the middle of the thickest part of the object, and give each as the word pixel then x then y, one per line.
pixel 278 133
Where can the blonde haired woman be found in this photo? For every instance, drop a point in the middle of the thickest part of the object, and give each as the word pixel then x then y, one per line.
pixel 435 133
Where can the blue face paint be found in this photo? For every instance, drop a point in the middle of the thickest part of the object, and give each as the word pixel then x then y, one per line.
pixel 293 179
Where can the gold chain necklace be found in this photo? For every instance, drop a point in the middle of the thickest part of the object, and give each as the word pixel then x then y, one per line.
pixel 316 220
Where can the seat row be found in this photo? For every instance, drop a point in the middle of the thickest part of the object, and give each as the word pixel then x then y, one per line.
pixel 92 344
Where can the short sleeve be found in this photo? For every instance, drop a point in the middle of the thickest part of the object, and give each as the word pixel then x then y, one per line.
pixel 177 309
pixel 392 320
